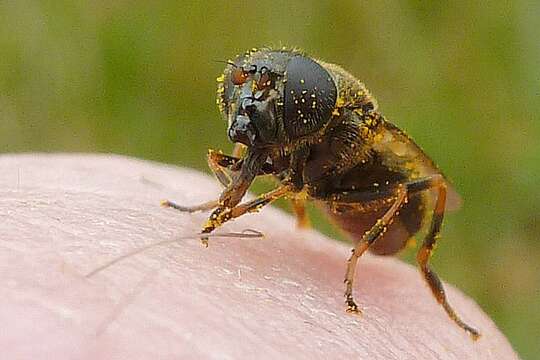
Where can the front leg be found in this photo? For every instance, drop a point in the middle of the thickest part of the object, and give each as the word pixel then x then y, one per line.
pixel 252 164
pixel 222 215
pixel 224 167
pixel 219 217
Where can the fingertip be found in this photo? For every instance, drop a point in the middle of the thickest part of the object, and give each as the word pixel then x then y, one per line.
pixel 237 298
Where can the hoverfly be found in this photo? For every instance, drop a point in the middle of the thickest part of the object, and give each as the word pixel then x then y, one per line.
pixel 317 129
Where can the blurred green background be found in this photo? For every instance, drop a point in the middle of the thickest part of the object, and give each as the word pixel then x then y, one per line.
pixel 463 79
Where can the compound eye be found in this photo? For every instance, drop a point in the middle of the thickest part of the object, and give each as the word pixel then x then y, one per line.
pixel 239 76
pixel 309 96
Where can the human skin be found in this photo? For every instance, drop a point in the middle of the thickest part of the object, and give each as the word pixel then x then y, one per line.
pixel 62 216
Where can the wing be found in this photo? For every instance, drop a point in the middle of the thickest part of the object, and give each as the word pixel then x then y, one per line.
pixel 397 154
pixel 399 150
pixel 396 158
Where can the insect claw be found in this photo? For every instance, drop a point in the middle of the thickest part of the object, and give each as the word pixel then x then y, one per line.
pixel 204 242
pixel 475 335
pixel 352 308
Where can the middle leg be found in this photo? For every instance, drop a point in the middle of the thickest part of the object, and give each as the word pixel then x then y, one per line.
pixel 394 194
pixel 299 209
pixel 369 238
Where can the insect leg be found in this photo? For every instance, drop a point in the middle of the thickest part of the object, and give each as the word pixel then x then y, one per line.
pixel 222 215
pixel 299 208
pixel 221 165
pixel 238 150
pixel 369 237
pixel 209 205
pixel 425 253
pixel 433 182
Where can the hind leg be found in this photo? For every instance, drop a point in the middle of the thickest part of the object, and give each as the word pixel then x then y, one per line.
pixel 425 253
pixel 361 197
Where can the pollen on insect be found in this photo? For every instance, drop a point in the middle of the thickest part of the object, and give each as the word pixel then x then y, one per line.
pixel 342 148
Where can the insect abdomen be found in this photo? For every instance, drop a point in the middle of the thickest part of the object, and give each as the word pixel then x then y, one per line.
pixel 356 221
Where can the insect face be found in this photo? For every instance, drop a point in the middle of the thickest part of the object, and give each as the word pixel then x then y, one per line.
pixel 272 98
